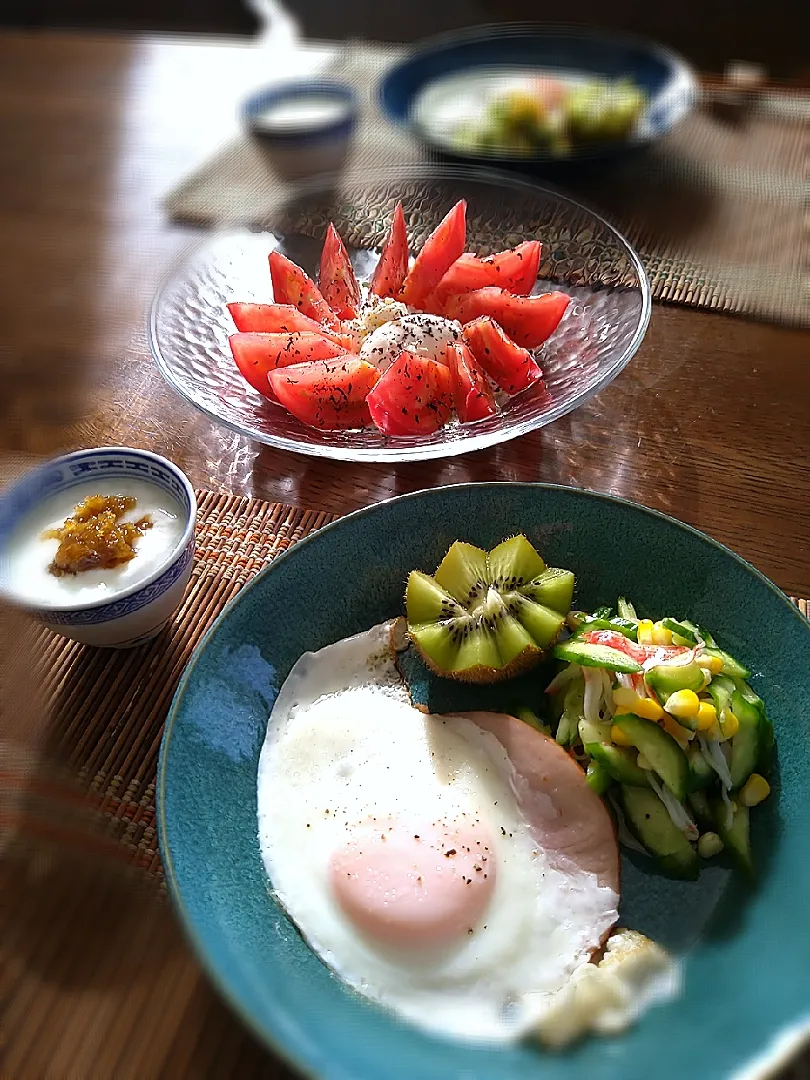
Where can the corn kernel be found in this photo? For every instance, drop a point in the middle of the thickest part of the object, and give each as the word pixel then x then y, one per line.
pixel 629 701
pixel 729 724
pixel 645 632
pixel 709 845
pixel 660 635
pixel 619 737
pixel 683 703
pixel 706 716
pixel 712 664
pixel 755 789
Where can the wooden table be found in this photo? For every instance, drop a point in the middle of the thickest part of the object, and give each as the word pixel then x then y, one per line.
pixel 710 422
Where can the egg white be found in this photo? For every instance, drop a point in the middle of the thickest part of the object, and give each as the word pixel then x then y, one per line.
pixel 344 744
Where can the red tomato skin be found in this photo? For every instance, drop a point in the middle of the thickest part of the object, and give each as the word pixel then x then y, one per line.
pixel 528 320
pixel 391 270
pixel 506 363
pixel 441 249
pixel 514 269
pixel 273 319
pixel 283 319
pixel 473 398
pixel 258 354
pixel 292 286
pixel 327 394
pixel 413 397
pixel 519 265
pixel 336 278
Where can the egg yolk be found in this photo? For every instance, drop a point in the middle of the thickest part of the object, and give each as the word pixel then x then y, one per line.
pixel 415 885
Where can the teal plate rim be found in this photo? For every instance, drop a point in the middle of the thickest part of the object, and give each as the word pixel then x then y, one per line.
pixel 785 1042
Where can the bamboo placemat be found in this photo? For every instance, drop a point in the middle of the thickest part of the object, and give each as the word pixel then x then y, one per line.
pixel 716 210
pixel 95 979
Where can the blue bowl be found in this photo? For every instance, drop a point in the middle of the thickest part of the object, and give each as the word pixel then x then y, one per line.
pixel 136 613
pixel 667 79
pixel 746 949
pixel 306 146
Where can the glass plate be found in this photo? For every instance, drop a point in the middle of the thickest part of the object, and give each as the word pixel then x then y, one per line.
pixel 582 255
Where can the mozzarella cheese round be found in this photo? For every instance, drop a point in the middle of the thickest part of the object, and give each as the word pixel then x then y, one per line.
pixel 426 335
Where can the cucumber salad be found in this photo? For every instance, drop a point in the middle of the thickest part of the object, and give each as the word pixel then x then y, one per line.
pixel 668 729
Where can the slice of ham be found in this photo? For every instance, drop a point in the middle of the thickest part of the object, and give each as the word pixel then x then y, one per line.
pixel 567 818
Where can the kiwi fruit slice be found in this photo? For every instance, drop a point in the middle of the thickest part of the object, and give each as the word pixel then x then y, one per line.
pixel 485 616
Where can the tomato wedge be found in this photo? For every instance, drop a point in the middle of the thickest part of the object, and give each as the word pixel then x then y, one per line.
pixel 276 319
pixel 292 286
pixel 256 355
pixel 514 269
pixel 413 397
pixel 441 249
pixel 336 278
pixel 528 320
pixel 327 394
pixel 506 363
pixel 392 268
pixel 473 398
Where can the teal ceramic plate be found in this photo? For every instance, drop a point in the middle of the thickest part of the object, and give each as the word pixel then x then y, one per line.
pixel 747 950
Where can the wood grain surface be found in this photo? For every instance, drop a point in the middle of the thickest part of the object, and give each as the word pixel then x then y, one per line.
pixel 710 422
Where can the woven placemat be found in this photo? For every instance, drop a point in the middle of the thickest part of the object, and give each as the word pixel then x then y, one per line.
pixel 716 210
pixel 95 979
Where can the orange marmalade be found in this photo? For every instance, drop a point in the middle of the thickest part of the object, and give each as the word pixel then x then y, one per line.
pixel 94 537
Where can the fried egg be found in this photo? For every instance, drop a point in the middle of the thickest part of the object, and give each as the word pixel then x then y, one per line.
pixel 425 863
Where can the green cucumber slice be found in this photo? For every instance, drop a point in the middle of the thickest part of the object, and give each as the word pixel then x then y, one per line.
pixel 597 778
pixel 648 820
pixel 602 656
pixel 701 810
pixel 745 750
pixel 626 609
pixel 681 629
pixel 584 623
pixel 666 679
pixel 736 835
pixel 701 774
pixel 619 762
pixel 731 666
pixel 660 749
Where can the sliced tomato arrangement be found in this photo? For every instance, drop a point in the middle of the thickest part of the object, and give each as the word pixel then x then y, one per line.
pixel 304 351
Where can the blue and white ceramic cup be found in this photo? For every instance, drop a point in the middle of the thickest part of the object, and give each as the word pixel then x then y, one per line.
pixel 135 613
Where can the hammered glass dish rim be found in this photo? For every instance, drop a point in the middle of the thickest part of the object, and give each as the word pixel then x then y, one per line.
pixel 435 450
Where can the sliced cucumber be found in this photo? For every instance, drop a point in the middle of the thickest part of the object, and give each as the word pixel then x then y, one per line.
pixel 626 610
pixel 602 613
pixel 666 679
pixel 735 835
pixel 619 762
pixel 602 656
pixel 731 666
pixel 766 738
pixel 701 809
pixel 660 749
pixel 573 711
pixel 681 629
pixel 648 820
pixel 701 774
pixel 584 623
pixel 597 777
pixel 720 689
pixel 745 749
